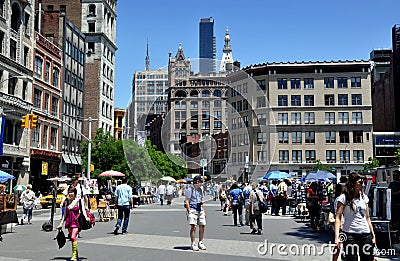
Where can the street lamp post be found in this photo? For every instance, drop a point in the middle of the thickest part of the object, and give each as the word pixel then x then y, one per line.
pixel 89 146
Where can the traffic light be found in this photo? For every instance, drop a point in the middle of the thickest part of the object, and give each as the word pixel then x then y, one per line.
pixel 91 167
pixel 25 121
pixel 34 120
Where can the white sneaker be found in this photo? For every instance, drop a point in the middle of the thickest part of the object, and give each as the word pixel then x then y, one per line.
pixel 202 246
pixel 195 247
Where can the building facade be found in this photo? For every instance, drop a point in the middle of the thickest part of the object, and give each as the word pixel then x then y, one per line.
pixel 47 100
pixel 196 103
pixel 119 124
pixel 207 46
pixel 312 110
pixel 16 70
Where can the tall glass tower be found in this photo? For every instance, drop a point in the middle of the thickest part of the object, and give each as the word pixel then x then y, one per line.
pixel 207 49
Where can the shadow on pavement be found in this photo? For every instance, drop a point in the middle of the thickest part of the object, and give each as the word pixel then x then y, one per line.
pixel 182 248
pixel 66 258
pixel 306 232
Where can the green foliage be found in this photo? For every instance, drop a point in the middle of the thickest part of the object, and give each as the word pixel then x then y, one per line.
pixel 371 164
pixel 397 155
pixel 107 154
pixel 319 166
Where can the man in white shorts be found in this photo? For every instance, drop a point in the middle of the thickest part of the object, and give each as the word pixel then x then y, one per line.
pixel 195 212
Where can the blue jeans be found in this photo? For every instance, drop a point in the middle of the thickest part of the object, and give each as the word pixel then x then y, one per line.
pixel 123 211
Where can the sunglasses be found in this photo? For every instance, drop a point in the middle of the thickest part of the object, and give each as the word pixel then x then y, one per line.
pixel 361 181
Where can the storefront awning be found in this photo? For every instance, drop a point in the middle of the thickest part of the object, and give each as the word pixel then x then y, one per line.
pixel 79 159
pixel 73 160
pixel 66 159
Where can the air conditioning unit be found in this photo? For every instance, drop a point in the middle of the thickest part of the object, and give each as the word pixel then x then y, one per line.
pixel 51 147
pixel 38 145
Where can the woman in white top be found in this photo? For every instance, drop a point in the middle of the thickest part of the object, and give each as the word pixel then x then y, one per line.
pixel 357 234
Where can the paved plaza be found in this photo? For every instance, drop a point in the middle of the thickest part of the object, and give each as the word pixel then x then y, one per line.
pixel 162 231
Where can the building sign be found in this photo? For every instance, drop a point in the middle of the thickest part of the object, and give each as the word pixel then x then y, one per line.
pixel 35 153
pixel 45 168
pixel 48 45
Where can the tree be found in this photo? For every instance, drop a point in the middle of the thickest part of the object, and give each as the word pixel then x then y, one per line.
pixel 371 164
pixel 397 155
pixel 107 153
pixel 319 166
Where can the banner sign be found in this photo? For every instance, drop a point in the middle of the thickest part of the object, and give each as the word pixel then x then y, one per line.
pixel 2 126
pixel 45 167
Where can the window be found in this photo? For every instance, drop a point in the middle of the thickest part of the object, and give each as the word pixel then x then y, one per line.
pixel 331 156
pixel 328 82
pixel 356 99
pixel 282 83
pixel 296 137
pixel 56 77
pixel 308 83
pixel 358 156
pixel 310 156
pixel 217 115
pixel 283 156
pixel 245 105
pixel 356 117
pixel 261 138
pixel 63 8
pixel 38 66
pixel 343 99
pixel 295 83
pixel 47 73
pixel 310 137
pixel 205 115
pixel 260 83
pixel 282 100
pixel 296 118
pixel 239 106
pixel 330 136
pixel 246 121
pixel 329 118
pixel 344 156
pixel 296 156
pixel 295 100
pixel 205 125
pixel 283 137
pixel 92 27
pixel 37 98
pixel 308 100
pixel 261 102
pixel 205 104
pixel 193 105
pixel 344 137
pixel 205 93
pixel 355 82
pixel 91 47
pixel 309 118
pixel 233 124
pixel 329 100
pixel 53 139
pixel 357 136
pixel 13 50
pixel 12 82
pixel 92 10
pixel 282 118
pixel 261 155
pixel 54 106
pixel 46 101
pixel 45 137
pixel 217 104
pixel 343 118
pixel 342 82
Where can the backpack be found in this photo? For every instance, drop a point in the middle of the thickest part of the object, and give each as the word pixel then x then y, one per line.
pixel 222 196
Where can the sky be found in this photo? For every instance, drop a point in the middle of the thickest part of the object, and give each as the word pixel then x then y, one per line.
pixel 260 30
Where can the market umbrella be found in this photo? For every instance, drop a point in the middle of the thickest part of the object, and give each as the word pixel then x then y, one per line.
pixel 276 175
pixel 19 188
pixel 112 173
pixel 181 181
pixel 188 179
pixel 4 176
pixel 168 178
pixel 318 175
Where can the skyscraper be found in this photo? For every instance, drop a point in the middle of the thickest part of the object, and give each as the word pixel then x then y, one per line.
pixel 207 49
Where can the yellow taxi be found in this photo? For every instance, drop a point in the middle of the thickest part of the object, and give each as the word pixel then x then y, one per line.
pixel 47 200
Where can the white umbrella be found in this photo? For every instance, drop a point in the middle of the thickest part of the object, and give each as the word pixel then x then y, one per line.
pixel 168 178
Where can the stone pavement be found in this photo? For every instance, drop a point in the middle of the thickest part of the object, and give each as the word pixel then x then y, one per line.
pixel 162 232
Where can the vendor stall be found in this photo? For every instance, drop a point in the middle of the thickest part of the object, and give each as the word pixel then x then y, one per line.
pixel 8 213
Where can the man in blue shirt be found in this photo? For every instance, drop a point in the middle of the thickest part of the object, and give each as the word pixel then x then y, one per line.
pixel 196 214
pixel 124 202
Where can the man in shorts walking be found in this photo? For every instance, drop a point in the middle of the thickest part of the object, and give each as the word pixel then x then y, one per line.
pixel 195 212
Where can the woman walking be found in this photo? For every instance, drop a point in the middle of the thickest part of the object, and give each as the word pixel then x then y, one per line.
pixel 72 212
pixel 253 208
pixel 359 237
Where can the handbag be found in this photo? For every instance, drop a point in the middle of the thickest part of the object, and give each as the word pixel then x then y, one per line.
pixel 261 204
pixel 241 200
pixel 61 240
pixel 83 223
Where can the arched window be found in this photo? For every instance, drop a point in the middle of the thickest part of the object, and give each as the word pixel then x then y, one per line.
pixel 194 94
pixel 205 93
pixel 180 94
pixel 92 10
pixel 217 93
pixel 15 17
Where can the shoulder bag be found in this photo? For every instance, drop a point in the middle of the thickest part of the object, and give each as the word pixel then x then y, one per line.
pixel 261 204
pixel 83 223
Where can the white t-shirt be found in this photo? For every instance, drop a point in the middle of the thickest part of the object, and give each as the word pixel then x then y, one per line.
pixel 355 220
pixel 79 187
pixel 161 189
pixel 170 189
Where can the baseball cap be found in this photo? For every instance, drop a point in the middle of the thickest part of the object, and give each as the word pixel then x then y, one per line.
pixel 198 178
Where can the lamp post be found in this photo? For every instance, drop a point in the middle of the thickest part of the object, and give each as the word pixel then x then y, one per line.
pixel 345 160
